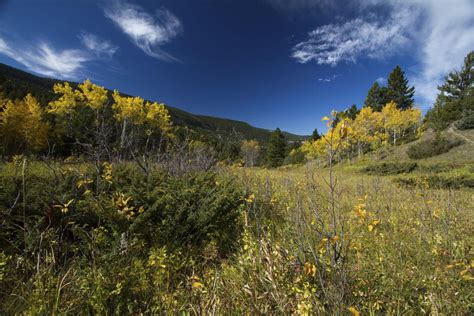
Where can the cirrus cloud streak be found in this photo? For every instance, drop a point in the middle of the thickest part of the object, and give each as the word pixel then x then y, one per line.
pixel 333 43
pixel 45 60
pixel 148 32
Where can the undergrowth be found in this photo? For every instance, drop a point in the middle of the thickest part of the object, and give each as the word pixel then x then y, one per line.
pixel 432 147
pixel 75 239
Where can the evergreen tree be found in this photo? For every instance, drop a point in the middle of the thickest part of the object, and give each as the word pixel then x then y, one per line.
pixel 455 100
pixel 352 112
pixel 276 150
pixel 315 136
pixel 372 98
pixel 337 118
pixel 459 83
pixel 399 91
pixel 377 97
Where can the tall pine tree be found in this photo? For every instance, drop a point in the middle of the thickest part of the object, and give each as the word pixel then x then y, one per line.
pixel 399 91
pixel 352 112
pixel 456 98
pixel 458 84
pixel 377 97
pixel 276 150
pixel 315 136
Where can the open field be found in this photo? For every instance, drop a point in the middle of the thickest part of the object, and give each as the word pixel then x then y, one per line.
pixel 302 240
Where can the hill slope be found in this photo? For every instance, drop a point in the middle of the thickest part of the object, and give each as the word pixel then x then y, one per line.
pixel 460 154
pixel 17 83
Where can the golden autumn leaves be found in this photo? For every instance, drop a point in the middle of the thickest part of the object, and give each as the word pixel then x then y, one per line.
pixel 87 94
pixel 23 122
pixel 134 110
pixel 142 113
pixel 368 129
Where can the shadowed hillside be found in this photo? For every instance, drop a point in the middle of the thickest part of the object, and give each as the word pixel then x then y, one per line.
pixel 17 83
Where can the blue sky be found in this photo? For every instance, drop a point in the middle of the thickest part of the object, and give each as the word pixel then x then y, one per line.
pixel 272 63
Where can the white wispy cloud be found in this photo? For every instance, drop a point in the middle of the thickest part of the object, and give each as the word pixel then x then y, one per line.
pixel 97 45
pixel 333 43
pixel 446 38
pixel 149 32
pixel 328 79
pixel 438 35
pixel 45 60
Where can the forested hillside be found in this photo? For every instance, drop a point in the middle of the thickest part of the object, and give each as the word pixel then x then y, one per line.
pixel 16 84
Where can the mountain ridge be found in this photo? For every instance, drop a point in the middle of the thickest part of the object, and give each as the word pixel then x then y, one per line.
pixel 17 83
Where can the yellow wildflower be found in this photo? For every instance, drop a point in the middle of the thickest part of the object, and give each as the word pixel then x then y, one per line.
pixel 310 269
pixel 65 207
pixel 373 225
pixel 360 210
pixel 353 311
pixel 250 199
pixel 322 243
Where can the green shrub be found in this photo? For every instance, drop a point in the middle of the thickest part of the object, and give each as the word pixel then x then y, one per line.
pixel 432 147
pixel 466 122
pixel 438 167
pixel 438 181
pixel 121 238
pixel 188 211
pixel 385 169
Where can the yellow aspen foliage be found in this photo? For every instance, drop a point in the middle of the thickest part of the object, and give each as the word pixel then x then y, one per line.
pixel 313 149
pixel 68 100
pixel 11 122
pixel 368 130
pixel 368 126
pixel 398 122
pixel 128 109
pixel 138 112
pixel 94 96
pixel 35 129
pixel 250 150
pixel 157 117
pixel 87 94
pixel 22 124
pixel 337 138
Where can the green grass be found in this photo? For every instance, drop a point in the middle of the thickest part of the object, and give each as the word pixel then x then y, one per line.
pixel 307 240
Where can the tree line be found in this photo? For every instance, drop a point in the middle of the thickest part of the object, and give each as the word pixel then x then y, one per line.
pixel 90 119
pixel 85 119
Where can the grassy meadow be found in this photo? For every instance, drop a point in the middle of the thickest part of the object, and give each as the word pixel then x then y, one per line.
pixel 112 239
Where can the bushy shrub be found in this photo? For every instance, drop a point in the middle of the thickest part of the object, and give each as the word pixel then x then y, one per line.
pixel 432 147
pixel 385 169
pixel 438 167
pixel 295 157
pixel 438 181
pixel 116 228
pixel 186 211
pixel 466 122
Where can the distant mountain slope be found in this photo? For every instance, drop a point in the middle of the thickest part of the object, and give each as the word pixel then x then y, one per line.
pixel 17 83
